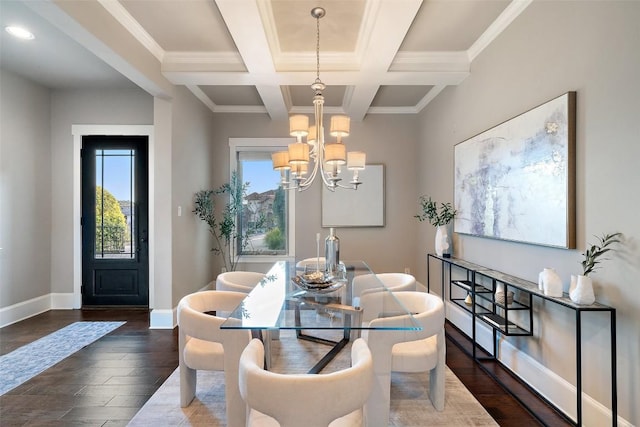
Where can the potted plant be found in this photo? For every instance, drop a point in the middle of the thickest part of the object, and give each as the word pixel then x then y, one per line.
pixel 581 288
pixel 223 225
pixel 440 218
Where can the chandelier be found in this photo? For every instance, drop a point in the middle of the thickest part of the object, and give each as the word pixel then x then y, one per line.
pixel 305 160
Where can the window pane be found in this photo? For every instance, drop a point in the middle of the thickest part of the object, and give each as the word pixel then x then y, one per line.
pixel 114 204
pixel 264 215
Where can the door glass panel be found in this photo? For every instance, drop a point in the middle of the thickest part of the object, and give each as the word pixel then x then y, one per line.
pixel 115 203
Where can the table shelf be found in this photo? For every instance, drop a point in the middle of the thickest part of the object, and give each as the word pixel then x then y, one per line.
pixel 515 319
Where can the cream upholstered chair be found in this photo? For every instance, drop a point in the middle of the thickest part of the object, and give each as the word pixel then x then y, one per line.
pixel 366 283
pixel 404 350
pixel 310 400
pixel 204 346
pixel 238 281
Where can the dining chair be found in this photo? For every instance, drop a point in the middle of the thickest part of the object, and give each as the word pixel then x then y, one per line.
pixel 293 400
pixel 204 346
pixel 367 283
pixel 404 350
pixel 238 281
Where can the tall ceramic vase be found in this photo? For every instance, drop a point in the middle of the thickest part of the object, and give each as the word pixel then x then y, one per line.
pixel 443 241
pixel 582 293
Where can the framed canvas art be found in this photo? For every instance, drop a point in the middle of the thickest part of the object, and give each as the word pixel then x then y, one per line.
pixel 363 207
pixel 516 181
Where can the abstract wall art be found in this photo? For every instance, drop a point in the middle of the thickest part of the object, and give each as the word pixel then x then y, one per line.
pixel 516 181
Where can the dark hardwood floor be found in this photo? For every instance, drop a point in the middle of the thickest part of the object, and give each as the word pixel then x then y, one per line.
pixel 105 383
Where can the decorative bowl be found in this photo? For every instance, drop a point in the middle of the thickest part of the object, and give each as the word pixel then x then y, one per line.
pixel 500 297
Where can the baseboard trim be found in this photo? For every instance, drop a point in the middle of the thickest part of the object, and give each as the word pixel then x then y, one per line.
pixel 163 319
pixel 558 391
pixel 62 301
pixel 23 310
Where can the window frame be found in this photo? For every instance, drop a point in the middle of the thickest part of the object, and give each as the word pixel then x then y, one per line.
pixel 237 145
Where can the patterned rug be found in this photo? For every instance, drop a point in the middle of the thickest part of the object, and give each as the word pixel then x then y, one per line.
pixel 410 404
pixel 29 360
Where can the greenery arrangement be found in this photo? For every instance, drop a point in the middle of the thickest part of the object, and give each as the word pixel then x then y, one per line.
pixel 225 230
pixel 435 216
pixel 591 255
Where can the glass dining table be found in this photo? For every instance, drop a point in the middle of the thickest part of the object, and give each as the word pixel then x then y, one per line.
pixel 288 298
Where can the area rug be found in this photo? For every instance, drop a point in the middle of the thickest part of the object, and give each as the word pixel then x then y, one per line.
pixel 29 360
pixel 410 404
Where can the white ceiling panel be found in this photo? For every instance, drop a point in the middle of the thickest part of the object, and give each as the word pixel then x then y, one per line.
pixel 376 56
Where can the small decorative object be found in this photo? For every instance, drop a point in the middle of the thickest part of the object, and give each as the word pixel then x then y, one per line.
pixel 582 292
pixel 468 300
pixel 551 282
pixel 442 241
pixel 440 219
pixel 318 252
pixel 332 251
pixel 500 295
pixel 573 283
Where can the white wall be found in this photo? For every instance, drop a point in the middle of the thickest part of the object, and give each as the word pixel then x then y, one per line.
pixel 552 48
pixel 25 190
pixel 389 140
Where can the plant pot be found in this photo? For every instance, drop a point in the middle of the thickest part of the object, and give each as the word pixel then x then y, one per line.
pixel 583 291
pixel 443 241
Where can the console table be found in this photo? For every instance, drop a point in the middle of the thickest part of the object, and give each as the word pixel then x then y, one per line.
pixel 480 284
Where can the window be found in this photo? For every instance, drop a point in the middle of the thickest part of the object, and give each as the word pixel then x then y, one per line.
pixel 267 215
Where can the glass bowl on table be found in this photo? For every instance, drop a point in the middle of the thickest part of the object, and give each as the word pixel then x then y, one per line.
pixel 314 281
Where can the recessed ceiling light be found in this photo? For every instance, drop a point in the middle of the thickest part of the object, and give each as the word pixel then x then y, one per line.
pixel 20 32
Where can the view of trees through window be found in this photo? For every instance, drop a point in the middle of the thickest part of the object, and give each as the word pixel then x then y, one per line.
pixel 114 203
pixel 264 206
pixel 112 231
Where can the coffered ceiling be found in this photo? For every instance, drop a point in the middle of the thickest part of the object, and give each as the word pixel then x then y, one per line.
pixel 376 56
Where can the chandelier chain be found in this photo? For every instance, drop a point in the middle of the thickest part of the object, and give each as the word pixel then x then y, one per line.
pixel 318 48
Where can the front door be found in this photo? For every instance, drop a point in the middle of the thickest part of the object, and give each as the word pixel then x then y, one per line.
pixel 115 257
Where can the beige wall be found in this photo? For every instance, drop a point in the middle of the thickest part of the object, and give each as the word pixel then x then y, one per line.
pixel 73 107
pixel 554 47
pixel 192 137
pixel 25 189
pixel 389 140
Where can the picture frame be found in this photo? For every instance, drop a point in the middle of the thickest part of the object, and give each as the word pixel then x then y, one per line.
pixel 516 181
pixel 363 207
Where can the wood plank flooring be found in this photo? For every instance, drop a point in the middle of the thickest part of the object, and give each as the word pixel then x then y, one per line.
pixel 105 383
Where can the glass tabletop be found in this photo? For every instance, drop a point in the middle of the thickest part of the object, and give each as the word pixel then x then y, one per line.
pixel 291 297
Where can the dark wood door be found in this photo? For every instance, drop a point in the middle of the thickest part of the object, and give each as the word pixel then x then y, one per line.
pixel 115 256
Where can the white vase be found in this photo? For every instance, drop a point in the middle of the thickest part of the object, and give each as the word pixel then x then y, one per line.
pixel 443 245
pixel 573 283
pixel 583 291
pixel 551 282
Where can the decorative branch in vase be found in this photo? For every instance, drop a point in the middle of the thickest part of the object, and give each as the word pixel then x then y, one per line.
pixel 581 288
pixel 439 218
pixel 224 226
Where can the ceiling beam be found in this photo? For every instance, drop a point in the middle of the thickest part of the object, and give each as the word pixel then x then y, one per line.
pixel 245 25
pixel 94 28
pixel 388 28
